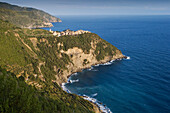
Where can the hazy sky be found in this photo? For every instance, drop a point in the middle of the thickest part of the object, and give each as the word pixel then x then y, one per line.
pixel 98 7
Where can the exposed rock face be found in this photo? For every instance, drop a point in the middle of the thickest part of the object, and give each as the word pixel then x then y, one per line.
pixel 78 57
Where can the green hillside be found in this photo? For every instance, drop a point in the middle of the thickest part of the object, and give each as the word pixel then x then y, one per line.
pixel 18 97
pixel 26 17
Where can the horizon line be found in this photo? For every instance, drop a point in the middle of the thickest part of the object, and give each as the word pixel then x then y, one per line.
pixel 111 14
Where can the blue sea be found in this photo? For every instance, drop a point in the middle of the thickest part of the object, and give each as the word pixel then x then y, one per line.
pixel 138 85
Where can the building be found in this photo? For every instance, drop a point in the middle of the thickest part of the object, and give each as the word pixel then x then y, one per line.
pixel 57 33
pixel 50 31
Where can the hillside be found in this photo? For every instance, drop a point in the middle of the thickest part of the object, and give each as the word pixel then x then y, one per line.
pixel 45 61
pixel 26 17
pixel 19 97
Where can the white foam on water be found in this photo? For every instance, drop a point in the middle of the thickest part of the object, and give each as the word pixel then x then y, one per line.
pixel 64 88
pixel 107 63
pixel 93 95
pixel 128 58
pixel 74 74
pixel 112 61
pixel 102 107
pixel 97 65
pixel 90 68
pixel 73 81
pixel 94 70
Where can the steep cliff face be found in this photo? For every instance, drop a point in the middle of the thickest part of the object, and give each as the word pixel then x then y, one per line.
pixel 73 53
pixel 81 60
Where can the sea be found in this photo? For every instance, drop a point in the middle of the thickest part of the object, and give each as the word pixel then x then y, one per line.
pixel 139 84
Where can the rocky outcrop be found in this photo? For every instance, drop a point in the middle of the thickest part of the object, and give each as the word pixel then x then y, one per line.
pixel 81 60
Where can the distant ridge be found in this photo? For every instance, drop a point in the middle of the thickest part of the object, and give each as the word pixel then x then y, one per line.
pixel 26 17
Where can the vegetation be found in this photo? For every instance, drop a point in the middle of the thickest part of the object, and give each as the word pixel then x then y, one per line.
pixel 25 17
pixel 103 49
pixel 85 62
pixel 18 97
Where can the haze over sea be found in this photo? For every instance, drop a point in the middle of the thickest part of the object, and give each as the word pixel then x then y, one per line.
pixel 138 85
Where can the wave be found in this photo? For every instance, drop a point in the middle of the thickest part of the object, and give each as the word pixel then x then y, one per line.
pixel 128 57
pixel 97 65
pixel 107 63
pixel 102 107
pixel 74 74
pixel 111 62
pixel 94 70
pixel 73 81
pixel 90 69
pixel 64 88
pixel 93 95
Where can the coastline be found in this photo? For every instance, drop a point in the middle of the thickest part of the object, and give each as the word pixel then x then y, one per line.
pixel 48 25
pixel 101 107
pixel 98 63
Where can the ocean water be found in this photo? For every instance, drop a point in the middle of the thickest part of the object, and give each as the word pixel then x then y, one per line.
pixel 138 85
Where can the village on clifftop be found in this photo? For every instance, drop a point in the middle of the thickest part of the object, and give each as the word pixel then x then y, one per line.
pixel 68 32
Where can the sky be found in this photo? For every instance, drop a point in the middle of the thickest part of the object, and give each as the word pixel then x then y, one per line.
pixel 98 7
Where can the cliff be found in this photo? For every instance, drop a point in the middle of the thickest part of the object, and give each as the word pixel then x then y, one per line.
pixel 81 60
pixel 45 61
pixel 26 17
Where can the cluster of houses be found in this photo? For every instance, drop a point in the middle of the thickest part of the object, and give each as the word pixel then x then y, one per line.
pixel 68 32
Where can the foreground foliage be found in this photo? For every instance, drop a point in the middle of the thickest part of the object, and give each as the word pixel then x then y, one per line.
pixel 17 96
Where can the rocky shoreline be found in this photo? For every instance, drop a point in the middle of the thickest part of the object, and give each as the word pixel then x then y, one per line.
pixel 100 107
pixel 100 63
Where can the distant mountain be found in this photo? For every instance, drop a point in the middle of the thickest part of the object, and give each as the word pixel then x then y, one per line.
pixel 26 17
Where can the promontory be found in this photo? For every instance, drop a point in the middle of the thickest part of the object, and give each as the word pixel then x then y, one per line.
pixel 34 63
